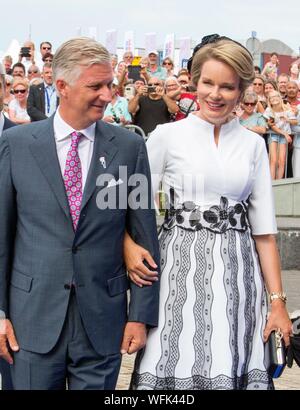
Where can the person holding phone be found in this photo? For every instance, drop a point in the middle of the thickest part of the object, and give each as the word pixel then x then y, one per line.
pixel 151 106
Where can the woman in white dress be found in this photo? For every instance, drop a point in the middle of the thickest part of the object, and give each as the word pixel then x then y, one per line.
pixel 218 251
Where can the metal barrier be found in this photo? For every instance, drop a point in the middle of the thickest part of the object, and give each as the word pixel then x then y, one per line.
pixel 137 129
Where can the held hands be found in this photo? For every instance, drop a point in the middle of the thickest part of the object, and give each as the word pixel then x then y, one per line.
pixel 7 340
pixel 134 337
pixel 279 319
pixel 134 257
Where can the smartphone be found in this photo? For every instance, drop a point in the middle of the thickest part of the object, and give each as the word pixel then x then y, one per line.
pixel 134 72
pixel 25 52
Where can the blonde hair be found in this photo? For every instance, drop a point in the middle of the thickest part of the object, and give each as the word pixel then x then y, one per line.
pixel 20 81
pixel 284 107
pixel 75 54
pixel 230 53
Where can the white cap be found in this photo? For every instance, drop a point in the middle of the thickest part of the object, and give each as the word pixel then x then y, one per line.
pixel 153 52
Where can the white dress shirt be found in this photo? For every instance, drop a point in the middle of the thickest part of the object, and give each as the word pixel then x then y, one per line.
pixel 62 133
pixel 1 123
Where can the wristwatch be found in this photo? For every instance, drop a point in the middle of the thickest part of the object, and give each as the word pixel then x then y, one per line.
pixel 279 295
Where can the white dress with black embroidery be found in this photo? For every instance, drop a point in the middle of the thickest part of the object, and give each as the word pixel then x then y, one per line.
pixel 212 299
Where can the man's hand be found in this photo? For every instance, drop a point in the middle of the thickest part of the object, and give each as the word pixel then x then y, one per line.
pixel 134 337
pixel 7 338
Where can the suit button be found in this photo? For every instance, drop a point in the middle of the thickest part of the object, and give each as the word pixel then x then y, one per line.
pixel 74 249
pixel 67 287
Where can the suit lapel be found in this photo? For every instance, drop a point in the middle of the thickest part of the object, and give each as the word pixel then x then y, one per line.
pixel 105 148
pixel 44 151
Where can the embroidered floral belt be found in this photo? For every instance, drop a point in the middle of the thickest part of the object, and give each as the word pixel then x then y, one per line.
pixel 218 218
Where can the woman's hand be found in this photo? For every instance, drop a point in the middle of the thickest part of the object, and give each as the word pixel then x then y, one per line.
pixel 279 319
pixel 134 256
pixel 288 138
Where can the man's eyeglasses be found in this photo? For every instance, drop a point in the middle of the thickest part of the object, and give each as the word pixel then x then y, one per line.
pixel 249 104
pixel 23 91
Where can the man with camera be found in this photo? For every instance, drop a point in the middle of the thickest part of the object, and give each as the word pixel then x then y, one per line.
pixel 26 56
pixel 151 106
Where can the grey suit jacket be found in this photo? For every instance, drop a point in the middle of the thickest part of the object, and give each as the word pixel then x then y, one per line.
pixel 40 254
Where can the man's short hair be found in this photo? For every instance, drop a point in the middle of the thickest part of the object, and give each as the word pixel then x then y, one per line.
pixel 75 54
pixel 45 42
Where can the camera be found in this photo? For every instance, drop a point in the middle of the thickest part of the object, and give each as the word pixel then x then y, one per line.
pixel 151 88
pixel 116 119
pixel 25 52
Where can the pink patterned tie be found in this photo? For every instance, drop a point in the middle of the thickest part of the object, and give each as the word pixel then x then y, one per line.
pixel 73 179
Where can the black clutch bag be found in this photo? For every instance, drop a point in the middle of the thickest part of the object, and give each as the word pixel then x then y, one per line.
pixel 275 354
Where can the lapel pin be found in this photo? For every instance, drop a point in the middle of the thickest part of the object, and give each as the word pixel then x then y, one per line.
pixel 103 162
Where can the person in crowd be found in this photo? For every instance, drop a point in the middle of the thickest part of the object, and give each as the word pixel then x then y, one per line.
pixel 154 69
pixel 282 81
pixel 33 72
pixel 187 99
pixel 17 108
pixel 269 87
pixel 296 145
pixel 29 59
pixel 43 100
pixel 171 85
pixel 218 250
pixel 294 73
pixel 7 63
pixel 280 118
pixel 116 112
pixel 258 86
pixel 183 71
pixel 45 48
pixel 18 70
pixel 63 280
pixel 270 70
pixel 250 119
pixel 48 58
pixel 5 124
pixel 257 69
pixel 128 58
pixel 8 95
pixel 292 93
pixel 114 62
pixel 151 106
pixel 168 64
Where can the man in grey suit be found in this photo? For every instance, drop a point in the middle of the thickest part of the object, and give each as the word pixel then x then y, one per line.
pixel 63 283
pixel 5 123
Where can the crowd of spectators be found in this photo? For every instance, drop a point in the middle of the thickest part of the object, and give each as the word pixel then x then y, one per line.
pixel 146 93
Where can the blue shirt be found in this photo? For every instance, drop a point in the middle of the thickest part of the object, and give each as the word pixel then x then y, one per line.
pixel 50 100
pixel 160 73
pixel 255 120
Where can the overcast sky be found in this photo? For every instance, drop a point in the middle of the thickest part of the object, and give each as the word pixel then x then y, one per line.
pixel 56 20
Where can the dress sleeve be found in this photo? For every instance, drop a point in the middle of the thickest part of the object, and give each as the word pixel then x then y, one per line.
pixel 157 152
pixel 261 201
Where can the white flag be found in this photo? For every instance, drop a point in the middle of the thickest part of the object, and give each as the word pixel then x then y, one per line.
pixel 184 51
pixel 129 41
pixel 111 41
pixel 169 48
pixel 150 42
pixel 93 33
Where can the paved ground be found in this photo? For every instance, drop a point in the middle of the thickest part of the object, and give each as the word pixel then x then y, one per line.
pixel 290 380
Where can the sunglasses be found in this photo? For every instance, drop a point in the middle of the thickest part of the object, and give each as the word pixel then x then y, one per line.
pixel 33 71
pixel 8 84
pixel 46 48
pixel 167 63
pixel 248 104
pixel 260 84
pixel 154 84
pixel 19 91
